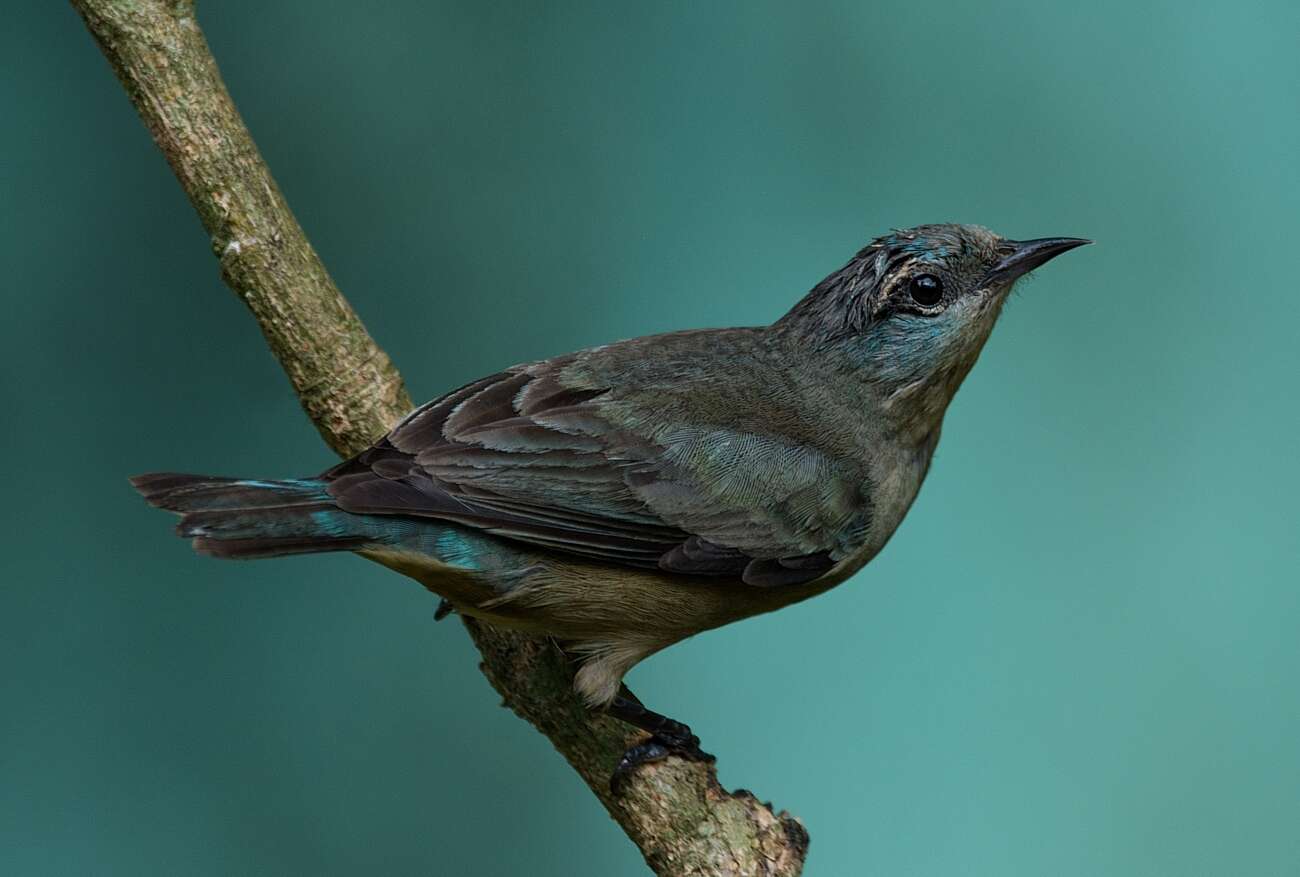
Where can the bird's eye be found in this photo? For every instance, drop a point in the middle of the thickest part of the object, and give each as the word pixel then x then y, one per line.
pixel 926 289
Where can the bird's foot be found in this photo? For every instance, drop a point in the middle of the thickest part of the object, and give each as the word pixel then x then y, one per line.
pixel 671 738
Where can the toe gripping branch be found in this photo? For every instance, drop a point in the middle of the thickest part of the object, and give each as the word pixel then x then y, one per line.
pixel 667 737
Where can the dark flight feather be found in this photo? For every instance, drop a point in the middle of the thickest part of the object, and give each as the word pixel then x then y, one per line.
pixel 244 518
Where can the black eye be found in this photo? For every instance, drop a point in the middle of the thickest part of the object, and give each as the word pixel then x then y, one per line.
pixel 926 289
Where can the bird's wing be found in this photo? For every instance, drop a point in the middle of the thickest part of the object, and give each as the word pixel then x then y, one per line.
pixel 538 456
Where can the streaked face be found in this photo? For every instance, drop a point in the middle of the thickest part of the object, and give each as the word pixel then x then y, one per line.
pixel 915 307
pixel 926 301
pixel 934 302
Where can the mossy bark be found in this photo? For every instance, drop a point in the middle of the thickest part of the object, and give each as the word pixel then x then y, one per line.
pixel 675 811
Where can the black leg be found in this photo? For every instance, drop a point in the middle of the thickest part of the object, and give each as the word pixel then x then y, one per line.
pixel 444 609
pixel 667 737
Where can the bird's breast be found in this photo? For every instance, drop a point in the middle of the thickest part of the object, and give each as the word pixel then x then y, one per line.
pixel 896 475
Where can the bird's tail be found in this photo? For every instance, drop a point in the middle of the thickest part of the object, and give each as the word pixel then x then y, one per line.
pixel 246 518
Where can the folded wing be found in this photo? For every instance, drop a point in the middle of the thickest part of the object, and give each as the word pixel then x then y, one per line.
pixel 536 456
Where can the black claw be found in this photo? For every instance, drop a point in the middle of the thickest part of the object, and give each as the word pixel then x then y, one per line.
pixel 444 609
pixel 642 753
pixel 657 747
pixel 667 737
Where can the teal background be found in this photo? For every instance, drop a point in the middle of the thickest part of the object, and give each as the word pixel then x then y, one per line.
pixel 1077 657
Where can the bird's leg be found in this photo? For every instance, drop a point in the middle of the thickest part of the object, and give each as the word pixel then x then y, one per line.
pixel 667 737
pixel 444 609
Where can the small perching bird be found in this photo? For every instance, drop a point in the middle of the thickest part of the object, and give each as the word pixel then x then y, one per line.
pixel 625 497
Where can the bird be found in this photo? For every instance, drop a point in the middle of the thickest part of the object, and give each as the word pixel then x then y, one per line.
pixel 624 497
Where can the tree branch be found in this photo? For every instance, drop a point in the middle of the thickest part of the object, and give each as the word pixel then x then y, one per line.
pixel 684 822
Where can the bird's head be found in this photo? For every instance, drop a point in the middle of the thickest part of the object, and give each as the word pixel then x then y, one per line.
pixel 913 308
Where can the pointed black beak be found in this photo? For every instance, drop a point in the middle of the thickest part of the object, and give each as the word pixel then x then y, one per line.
pixel 1025 256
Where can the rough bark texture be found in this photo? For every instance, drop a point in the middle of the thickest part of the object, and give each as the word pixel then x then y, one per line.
pixel 675 811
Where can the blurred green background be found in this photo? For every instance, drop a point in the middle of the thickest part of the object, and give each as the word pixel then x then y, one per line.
pixel 1077 657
